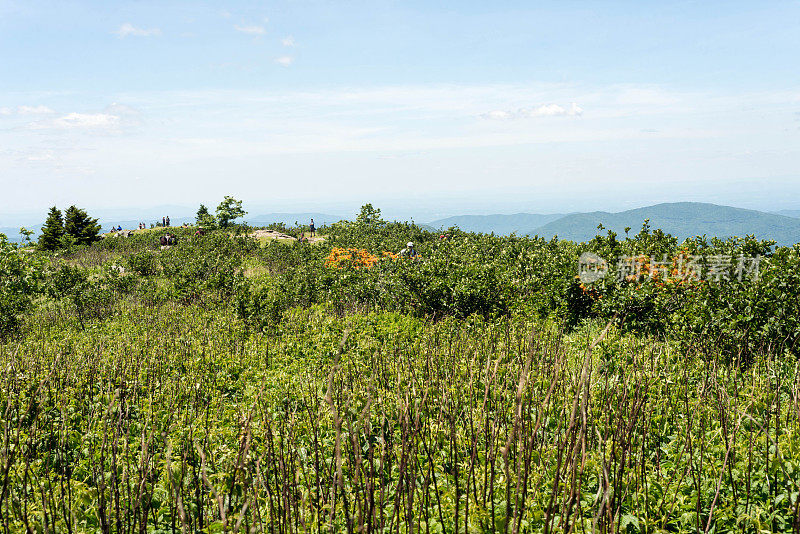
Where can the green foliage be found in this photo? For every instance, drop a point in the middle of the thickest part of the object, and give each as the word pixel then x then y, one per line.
pixel 204 268
pixel 90 299
pixel 369 216
pixel 204 219
pixel 229 210
pixel 218 383
pixel 143 263
pixel 480 423
pixel 26 235
pixel 79 227
pixel 19 283
pixel 52 231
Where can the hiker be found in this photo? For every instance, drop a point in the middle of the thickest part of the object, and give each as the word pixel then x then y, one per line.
pixel 167 222
pixel 163 241
pixel 163 221
pixel 409 251
pixel 119 228
pixel 311 227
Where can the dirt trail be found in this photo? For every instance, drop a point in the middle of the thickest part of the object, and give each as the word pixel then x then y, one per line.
pixel 271 234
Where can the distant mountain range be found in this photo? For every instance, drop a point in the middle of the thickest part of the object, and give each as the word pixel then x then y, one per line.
pixel 681 219
pixel 289 219
pixel 518 223
pixel 789 213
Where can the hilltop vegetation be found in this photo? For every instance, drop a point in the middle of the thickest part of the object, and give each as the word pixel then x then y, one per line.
pixel 222 385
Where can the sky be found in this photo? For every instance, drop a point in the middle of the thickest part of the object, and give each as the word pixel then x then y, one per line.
pixel 427 108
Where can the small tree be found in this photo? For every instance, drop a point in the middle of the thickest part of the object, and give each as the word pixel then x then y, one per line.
pixel 26 235
pixel 369 215
pixel 204 219
pixel 80 227
pixel 229 210
pixel 19 283
pixel 52 231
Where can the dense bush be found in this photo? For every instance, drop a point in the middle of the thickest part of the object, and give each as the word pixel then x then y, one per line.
pixel 19 283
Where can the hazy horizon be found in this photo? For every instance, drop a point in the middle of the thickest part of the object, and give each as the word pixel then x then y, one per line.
pixel 421 213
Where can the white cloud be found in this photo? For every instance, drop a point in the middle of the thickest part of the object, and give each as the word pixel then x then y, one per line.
pixel 79 121
pixel 544 110
pixel 121 110
pixel 113 118
pixel 34 110
pixel 42 156
pixel 251 30
pixel 284 60
pixel 87 120
pixel 129 29
pixel 26 110
pixel 497 114
pixel 287 41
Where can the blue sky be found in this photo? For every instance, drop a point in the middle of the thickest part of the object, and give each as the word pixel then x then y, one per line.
pixel 457 106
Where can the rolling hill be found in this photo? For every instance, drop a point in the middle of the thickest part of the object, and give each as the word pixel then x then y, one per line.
pixel 789 213
pixel 519 223
pixel 681 219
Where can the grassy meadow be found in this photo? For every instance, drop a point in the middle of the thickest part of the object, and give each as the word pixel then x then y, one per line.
pixel 229 385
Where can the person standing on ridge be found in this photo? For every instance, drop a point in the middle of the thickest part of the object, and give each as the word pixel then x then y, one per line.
pixel 167 220
pixel 311 227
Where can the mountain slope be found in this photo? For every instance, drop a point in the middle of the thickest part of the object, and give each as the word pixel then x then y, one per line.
pixel 789 213
pixel 681 219
pixel 519 223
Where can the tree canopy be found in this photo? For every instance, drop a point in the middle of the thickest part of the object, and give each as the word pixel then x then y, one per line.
pixel 204 219
pixel 229 210
pixel 52 231
pixel 82 229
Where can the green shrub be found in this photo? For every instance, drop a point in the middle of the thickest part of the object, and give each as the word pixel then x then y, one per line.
pixel 19 283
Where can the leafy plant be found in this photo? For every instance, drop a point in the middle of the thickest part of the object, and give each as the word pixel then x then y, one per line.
pixel 228 210
pixel 19 284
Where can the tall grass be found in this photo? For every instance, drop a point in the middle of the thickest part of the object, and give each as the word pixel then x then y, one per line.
pixel 174 418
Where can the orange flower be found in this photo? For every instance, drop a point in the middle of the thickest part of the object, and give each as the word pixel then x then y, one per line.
pixel 340 258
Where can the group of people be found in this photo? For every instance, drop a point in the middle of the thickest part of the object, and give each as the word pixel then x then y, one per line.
pixel 165 221
pixel 168 240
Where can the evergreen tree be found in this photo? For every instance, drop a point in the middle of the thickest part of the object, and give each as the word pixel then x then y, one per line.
pixel 52 231
pixel 204 218
pixel 80 227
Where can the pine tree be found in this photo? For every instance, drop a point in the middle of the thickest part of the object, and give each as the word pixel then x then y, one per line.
pixel 52 231
pixel 80 227
pixel 204 219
